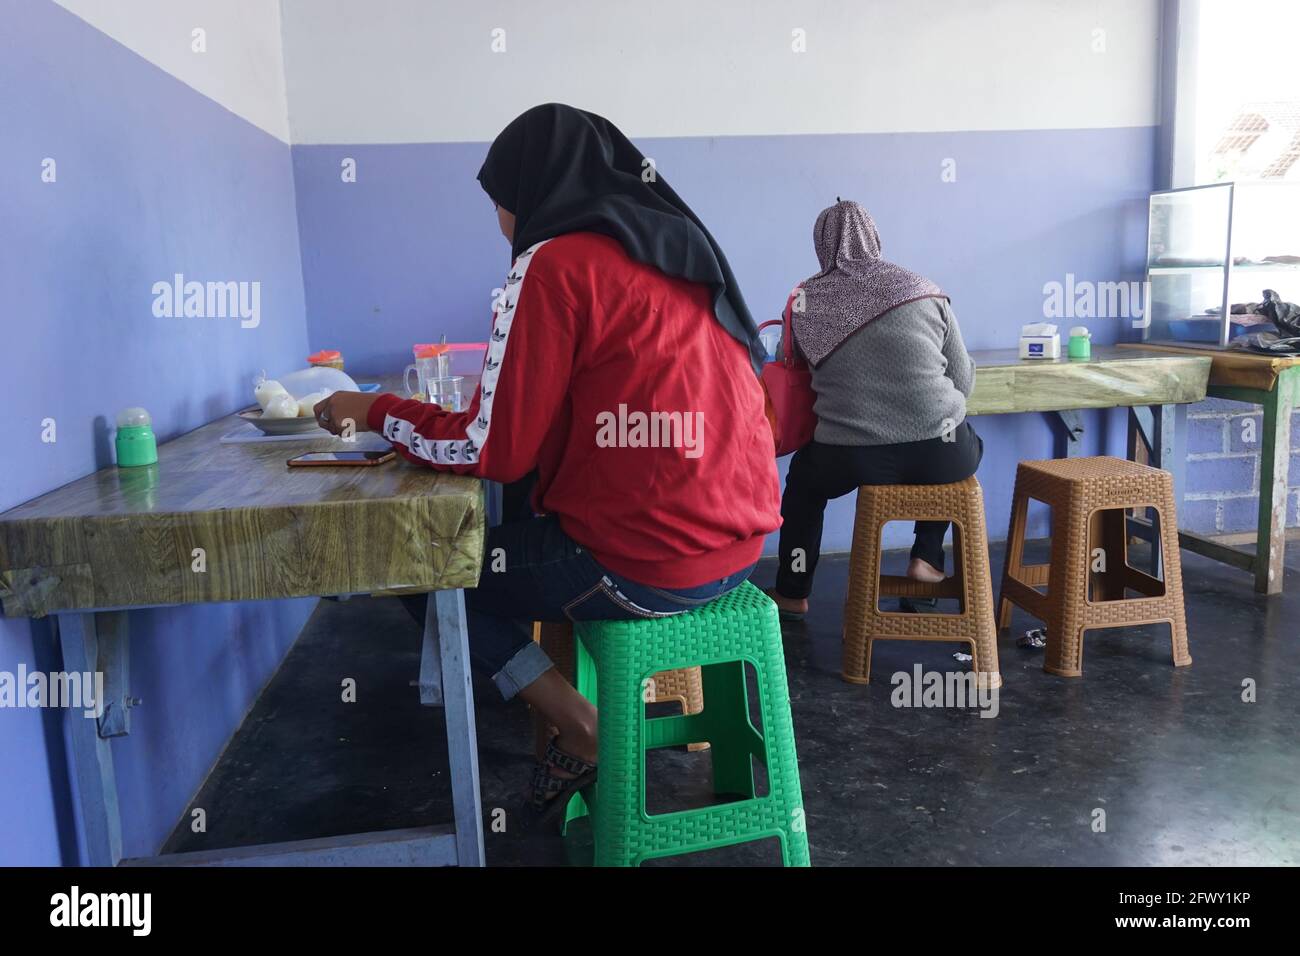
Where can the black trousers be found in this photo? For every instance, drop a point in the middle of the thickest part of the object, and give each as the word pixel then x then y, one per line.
pixel 819 473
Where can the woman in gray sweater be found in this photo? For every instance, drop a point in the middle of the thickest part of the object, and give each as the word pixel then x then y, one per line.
pixel 891 376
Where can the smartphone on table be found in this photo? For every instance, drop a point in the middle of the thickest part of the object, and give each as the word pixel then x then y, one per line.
pixel 354 459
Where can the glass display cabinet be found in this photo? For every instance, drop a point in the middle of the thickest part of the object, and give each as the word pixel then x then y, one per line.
pixel 1265 244
pixel 1211 253
pixel 1189 233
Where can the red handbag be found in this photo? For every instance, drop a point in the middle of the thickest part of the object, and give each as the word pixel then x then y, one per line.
pixel 788 385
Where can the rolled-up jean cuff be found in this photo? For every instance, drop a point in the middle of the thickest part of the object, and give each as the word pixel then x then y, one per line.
pixel 528 664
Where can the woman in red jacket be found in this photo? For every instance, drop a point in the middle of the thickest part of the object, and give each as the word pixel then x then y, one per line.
pixel 621 370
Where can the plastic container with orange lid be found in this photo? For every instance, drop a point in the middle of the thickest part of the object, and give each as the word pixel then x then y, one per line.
pixel 329 358
pixel 465 358
pixel 437 359
pixel 431 364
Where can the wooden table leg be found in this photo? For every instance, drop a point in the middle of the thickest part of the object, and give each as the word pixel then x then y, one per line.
pixel 1164 419
pixel 92 759
pixel 1069 428
pixel 447 610
pixel 1270 543
pixel 1155 433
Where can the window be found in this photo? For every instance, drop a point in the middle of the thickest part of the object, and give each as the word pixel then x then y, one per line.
pixel 1247 91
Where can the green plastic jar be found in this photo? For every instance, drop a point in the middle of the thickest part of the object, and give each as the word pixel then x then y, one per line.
pixel 136 444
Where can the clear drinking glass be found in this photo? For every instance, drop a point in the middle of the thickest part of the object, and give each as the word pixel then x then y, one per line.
pixel 446 392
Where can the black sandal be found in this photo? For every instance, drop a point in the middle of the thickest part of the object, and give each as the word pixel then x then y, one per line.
pixel 550 794
pixel 1035 637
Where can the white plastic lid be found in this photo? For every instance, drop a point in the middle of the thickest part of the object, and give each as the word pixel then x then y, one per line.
pixel 133 417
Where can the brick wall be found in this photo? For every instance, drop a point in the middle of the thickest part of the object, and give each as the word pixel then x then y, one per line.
pixel 1222 488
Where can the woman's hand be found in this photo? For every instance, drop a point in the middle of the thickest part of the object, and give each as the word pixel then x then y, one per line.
pixel 344 410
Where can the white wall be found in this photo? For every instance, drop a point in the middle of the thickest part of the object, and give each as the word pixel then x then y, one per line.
pixel 391 71
pixel 387 71
pixel 243 66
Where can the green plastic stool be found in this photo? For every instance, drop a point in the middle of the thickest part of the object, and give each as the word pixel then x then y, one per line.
pixel 614 661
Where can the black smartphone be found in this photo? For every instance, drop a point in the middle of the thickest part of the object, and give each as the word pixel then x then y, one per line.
pixel 355 459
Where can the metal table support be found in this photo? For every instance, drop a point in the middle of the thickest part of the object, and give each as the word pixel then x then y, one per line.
pixel 1160 431
pixel 99 642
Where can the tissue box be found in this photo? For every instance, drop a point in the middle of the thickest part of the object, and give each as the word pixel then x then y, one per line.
pixel 1040 341
pixel 1040 346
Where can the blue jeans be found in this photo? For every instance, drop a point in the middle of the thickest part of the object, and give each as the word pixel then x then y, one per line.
pixel 533 571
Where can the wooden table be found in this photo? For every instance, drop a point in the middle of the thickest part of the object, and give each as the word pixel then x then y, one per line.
pixel 214 522
pixel 1111 378
pixel 1271 381
pixel 1151 384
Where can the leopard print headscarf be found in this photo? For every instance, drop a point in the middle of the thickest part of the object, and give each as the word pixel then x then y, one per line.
pixel 855 285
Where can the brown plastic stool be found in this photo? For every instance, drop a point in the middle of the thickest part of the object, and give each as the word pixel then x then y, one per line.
pixel 682 686
pixel 1089 498
pixel 962 503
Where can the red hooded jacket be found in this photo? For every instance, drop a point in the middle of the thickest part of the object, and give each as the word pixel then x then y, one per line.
pixel 640 413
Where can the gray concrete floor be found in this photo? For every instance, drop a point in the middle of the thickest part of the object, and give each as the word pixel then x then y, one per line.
pixel 1186 772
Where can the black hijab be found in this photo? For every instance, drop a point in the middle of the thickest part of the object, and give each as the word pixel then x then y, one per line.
pixel 560 170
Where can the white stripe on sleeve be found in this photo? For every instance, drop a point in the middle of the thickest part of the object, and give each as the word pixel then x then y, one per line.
pixel 465 451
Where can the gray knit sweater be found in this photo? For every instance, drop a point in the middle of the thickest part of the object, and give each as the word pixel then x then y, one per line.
pixel 903 377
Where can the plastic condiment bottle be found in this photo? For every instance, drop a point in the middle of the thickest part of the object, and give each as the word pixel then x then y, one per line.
pixel 136 444
pixel 1080 346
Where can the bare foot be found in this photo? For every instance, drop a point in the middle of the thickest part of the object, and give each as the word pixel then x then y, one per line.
pixel 582 745
pixel 924 571
pixel 788 604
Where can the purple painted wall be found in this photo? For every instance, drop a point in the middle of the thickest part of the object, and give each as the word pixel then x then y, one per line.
pixel 411 249
pixel 152 179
